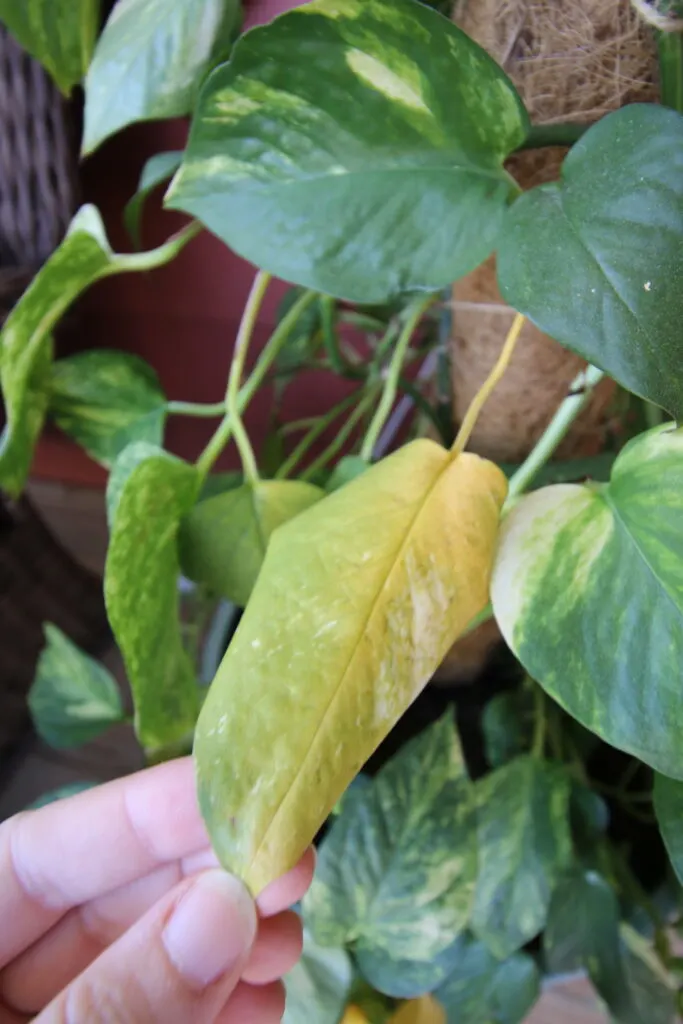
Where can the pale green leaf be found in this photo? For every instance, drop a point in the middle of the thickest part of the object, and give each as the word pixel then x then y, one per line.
pixel 395 875
pixel 484 990
pixel 158 169
pixel 61 793
pixel 588 592
pixel 596 260
pixel 371 167
pixel 25 341
pixel 524 847
pixel 73 698
pixel 105 400
pixel 153 492
pixel 359 599
pixel 60 34
pixel 224 539
pixel 668 802
pixel 150 61
pixel 318 986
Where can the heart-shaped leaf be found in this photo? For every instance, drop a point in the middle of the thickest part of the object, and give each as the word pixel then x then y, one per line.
pixel 357 603
pixel 158 169
pixel 588 592
pixel 106 400
pixel 73 698
pixel 596 261
pixel 223 541
pixel 317 988
pixel 153 491
pixel 668 801
pixel 395 875
pixel 386 180
pixel 60 34
pixel 524 846
pixel 150 60
pixel 482 988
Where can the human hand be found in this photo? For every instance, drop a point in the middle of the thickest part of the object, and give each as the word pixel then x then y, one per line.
pixel 112 909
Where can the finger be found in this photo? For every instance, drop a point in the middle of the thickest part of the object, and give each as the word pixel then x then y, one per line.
pixel 289 889
pixel 77 849
pixel 276 950
pixel 38 974
pixel 248 1005
pixel 179 963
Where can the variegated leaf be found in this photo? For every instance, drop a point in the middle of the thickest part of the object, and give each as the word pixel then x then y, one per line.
pixel 60 34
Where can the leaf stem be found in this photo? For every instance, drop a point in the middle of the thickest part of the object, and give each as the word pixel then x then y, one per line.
pixel 199 409
pixel 485 391
pixel 670 46
pixel 244 336
pixel 132 261
pixel 320 425
pixel 391 383
pixel 540 722
pixel 542 135
pixel 340 440
pixel 580 393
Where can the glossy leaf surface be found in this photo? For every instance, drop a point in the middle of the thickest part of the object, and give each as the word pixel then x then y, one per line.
pixel 668 801
pixel 588 592
pixel 150 60
pixel 73 698
pixel 60 34
pixel 389 179
pixel 358 601
pixel 395 875
pixel 158 169
pixel 484 990
pixel 105 400
pixel 141 590
pixel 223 541
pixel 317 988
pixel 596 261
pixel 524 846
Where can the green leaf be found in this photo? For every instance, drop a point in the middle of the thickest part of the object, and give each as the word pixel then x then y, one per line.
pixel 305 340
pixel 153 491
pixel 73 698
pixel 524 846
pixel 507 724
pixel 389 179
pixel 224 539
pixel 105 400
pixel 589 817
pixel 158 169
pixel 151 59
pixel 596 260
pixel 359 599
pixel 668 802
pixel 60 34
pixel 395 875
pixel 583 932
pixel 346 470
pixel 217 483
pixel 483 990
pixel 317 988
pixel 588 592
pixel 61 793
pixel 407 979
pixel 652 991
pixel 25 342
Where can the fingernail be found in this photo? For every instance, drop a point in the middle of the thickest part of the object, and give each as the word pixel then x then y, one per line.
pixel 212 929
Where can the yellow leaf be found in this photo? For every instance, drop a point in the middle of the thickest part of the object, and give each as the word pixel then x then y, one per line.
pixel 425 1010
pixel 354 1016
pixel 359 599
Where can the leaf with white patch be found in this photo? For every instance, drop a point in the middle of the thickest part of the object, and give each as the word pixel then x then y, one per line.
pixel 588 592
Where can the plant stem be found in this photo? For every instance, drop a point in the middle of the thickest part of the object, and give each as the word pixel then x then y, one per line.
pixel 553 135
pixel 340 440
pixel 391 383
pixel 484 393
pixel 580 393
pixel 125 262
pixel 670 46
pixel 244 336
pixel 540 722
pixel 317 430
pixel 195 409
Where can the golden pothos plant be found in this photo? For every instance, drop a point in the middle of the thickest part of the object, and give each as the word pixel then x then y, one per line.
pixel 356 149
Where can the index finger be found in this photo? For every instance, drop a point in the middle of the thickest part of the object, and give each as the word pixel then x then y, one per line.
pixel 75 850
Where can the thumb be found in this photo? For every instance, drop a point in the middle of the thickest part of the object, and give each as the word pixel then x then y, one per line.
pixel 178 963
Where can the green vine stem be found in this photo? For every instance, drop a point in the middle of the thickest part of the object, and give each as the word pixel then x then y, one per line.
pixel 198 409
pixel 342 437
pixel 670 46
pixel 263 364
pixel 391 383
pixel 580 393
pixel 136 261
pixel 318 428
pixel 542 135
